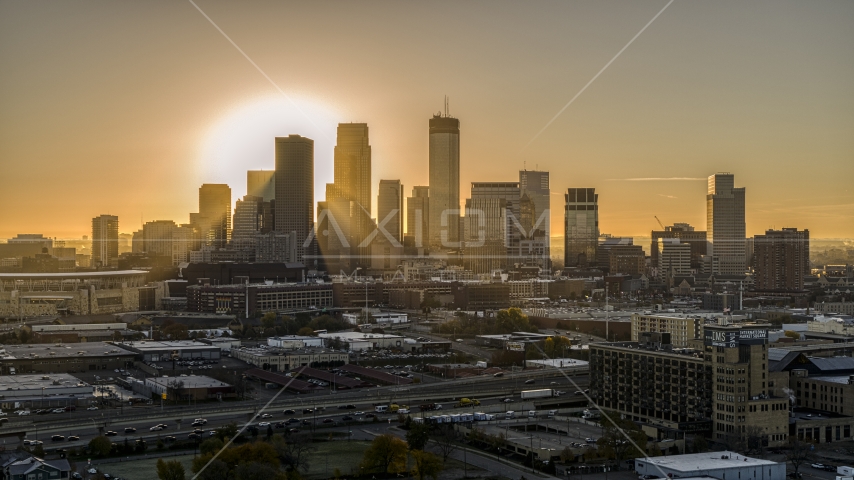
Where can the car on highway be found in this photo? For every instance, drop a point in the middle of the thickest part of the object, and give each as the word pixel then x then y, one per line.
pixel 508 400
pixel 155 428
pixel 279 425
pixel 358 413
pixel 529 381
pixel 347 418
pixel 266 415
pixel 499 374
pixel 289 412
pixel 73 438
pixel 110 433
pixel 198 431
pixel 264 424
pixel 346 407
pixel 57 438
pixel 23 412
pixel 370 415
pixel 194 436
pixel 92 471
pixel 293 430
pixel 130 430
pixel 306 422
pixel 291 420
pixel 307 410
pixel 93 407
pixel 553 383
pixel 169 439
pixel 328 420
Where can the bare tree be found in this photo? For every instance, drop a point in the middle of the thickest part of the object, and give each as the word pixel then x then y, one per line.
pixel 799 453
pixel 295 452
pixel 444 438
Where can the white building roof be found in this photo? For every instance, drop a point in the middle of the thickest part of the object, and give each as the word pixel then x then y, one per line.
pixel 692 462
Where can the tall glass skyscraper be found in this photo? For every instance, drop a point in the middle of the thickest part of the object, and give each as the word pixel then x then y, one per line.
pixel 725 226
pixel 295 190
pixel 581 226
pixel 444 225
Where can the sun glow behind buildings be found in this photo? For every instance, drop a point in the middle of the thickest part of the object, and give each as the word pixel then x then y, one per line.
pixel 242 139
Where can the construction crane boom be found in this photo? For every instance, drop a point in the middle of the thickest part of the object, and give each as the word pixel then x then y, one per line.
pixel 659 222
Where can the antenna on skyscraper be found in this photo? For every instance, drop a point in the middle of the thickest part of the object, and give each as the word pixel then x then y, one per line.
pixel 446 106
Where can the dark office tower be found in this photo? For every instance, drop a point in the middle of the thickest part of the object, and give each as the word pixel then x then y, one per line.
pixel 295 190
pixel 685 234
pixel 725 225
pixel 214 218
pixel 261 183
pixel 781 259
pixel 390 208
pixel 581 226
pixel 444 224
pixel 105 241
pixel 418 216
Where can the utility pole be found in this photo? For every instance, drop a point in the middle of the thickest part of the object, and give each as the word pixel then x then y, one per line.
pixel 607 317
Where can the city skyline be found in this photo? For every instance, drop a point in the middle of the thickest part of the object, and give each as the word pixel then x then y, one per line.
pixel 744 94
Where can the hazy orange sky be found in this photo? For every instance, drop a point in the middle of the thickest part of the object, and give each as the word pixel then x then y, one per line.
pixel 128 107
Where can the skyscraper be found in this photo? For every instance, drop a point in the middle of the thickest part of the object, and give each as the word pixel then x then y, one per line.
pixel 214 218
pixel 352 169
pixel 781 259
pixel 105 241
pixel 390 208
pixel 418 216
pixel 157 237
pixel 295 189
pixel 725 226
pixel 444 221
pixel 536 245
pixel 581 226
pixel 248 222
pixel 261 183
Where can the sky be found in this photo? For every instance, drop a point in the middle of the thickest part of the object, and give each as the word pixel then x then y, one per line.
pixel 126 108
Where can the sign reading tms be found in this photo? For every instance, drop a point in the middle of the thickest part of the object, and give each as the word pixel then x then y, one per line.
pixel 515 346
pixel 731 338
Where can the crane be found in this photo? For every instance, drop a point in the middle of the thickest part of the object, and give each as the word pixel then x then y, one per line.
pixel 659 222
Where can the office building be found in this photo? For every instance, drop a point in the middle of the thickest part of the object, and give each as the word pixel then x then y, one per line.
pixel 390 209
pixel 581 227
pixel 626 259
pixel 418 216
pixel 535 185
pixel 157 237
pixel 248 222
pixel 105 241
pixel 213 221
pixel 674 259
pixel 681 327
pixel 722 388
pixel 444 224
pixel 726 226
pixel 261 183
pixel 781 259
pixel 686 234
pixel 295 190
pixel 184 240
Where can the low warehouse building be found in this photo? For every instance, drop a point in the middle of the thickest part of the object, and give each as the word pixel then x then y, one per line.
pixel 276 360
pixel 164 351
pixel 52 358
pixel 43 391
pixel 190 387
pixel 723 465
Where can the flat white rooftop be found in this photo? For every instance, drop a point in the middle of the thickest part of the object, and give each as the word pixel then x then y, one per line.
pixel 691 462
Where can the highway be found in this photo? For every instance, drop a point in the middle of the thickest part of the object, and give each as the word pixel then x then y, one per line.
pixel 490 390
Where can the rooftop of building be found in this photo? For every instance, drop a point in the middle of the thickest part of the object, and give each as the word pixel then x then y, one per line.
pixel 152 345
pixel 358 335
pixel 51 350
pixel 654 348
pixel 810 414
pixel 691 462
pixel 267 351
pixel 190 381
pixel 71 275
pixel 37 382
